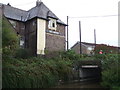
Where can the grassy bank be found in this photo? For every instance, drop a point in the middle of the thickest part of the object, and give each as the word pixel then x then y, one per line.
pixel 34 72
pixel 37 72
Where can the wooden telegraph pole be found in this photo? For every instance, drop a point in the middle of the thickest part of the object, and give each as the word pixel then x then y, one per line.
pixel 67 34
pixel 80 37
pixel 95 38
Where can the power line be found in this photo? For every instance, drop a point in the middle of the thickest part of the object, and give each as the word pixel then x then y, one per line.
pixel 24 4
pixel 96 16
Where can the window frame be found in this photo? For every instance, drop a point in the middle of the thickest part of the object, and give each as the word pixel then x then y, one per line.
pixel 22 42
pixel 52 24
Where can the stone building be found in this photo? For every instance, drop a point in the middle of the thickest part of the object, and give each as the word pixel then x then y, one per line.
pixel 86 48
pixel 39 28
pixel 89 48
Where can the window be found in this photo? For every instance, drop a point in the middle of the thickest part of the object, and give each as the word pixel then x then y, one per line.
pixel 90 48
pixel 52 24
pixel 22 42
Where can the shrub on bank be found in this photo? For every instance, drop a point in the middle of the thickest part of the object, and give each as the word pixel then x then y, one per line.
pixel 10 39
pixel 22 53
pixel 111 71
pixel 34 72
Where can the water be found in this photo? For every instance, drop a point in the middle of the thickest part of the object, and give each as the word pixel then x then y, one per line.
pixel 82 85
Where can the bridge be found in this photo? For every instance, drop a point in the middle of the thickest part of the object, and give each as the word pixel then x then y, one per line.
pixel 86 74
pixel 88 70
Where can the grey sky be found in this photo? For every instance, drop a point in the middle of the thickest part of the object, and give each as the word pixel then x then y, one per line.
pixel 106 27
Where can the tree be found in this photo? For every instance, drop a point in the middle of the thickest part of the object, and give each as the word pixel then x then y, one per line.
pixel 9 39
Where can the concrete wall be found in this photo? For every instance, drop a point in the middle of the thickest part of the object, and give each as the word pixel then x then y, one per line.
pixel 90 74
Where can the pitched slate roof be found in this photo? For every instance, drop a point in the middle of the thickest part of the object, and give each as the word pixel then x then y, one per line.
pixel 14 13
pixel 84 44
pixel 40 11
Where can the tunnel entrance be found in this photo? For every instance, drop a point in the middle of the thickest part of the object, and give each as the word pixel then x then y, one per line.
pixel 90 70
pixel 87 70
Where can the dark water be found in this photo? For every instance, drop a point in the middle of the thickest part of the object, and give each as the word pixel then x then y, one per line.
pixel 89 85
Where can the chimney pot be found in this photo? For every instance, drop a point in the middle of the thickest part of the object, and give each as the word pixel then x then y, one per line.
pixel 8 4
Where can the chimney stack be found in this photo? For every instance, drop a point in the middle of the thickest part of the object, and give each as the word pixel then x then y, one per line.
pixel 8 4
pixel 38 2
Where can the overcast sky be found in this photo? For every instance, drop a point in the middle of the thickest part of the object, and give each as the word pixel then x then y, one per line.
pixel 105 24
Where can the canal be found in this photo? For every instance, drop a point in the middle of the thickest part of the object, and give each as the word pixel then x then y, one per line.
pixel 87 76
pixel 89 85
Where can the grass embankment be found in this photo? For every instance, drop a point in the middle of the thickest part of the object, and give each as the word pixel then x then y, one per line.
pixel 46 72
pixel 37 72
pixel 34 72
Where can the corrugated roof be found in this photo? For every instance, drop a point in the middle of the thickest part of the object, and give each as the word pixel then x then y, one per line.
pixel 40 11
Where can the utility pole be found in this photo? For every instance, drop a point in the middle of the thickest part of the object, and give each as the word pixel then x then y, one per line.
pixel 95 38
pixel 80 37
pixel 67 34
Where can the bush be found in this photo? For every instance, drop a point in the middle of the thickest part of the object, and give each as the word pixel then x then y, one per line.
pixel 9 39
pixel 34 72
pixel 106 49
pixel 22 53
pixel 111 71
pixel 71 55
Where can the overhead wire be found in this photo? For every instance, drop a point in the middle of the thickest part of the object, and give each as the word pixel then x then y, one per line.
pixel 24 4
pixel 76 17
pixel 96 16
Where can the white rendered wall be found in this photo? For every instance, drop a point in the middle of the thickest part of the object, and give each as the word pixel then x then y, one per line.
pixel 41 27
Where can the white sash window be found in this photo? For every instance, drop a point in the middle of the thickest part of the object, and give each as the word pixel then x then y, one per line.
pixel 52 24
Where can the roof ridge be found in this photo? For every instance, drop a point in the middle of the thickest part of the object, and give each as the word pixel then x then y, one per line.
pixel 15 8
pixel 49 11
pixel 38 8
pixel 40 11
pixel 27 17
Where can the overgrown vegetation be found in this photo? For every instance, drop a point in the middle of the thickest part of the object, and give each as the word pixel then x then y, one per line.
pixel 34 72
pixel 9 39
pixel 21 71
pixel 38 72
pixel 106 49
pixel 110 59
pixel 111 71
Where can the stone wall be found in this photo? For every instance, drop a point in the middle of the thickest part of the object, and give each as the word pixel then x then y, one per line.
pixel 31 37
pixel 56 42
pixel 76 48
